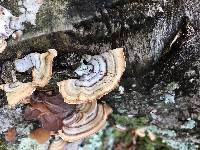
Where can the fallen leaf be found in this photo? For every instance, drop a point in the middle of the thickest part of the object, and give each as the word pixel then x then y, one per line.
pixel 41 135
pixel 50 110
pixel 10 135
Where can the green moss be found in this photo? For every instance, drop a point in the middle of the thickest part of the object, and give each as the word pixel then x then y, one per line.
pixel 147 144
pixel 132 122
pixel 123 137
pixel 2 145
pixel 95 141
pixel 50 13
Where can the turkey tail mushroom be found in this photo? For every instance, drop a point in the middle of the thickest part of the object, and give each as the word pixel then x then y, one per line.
pixel 57 145
pixel 42 72
pixel 98 76
pixel 89 119
pixel 42 75
pixel 17 92
pixel 42 64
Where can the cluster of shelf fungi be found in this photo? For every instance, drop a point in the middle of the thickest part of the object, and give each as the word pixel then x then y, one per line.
pixel 73 113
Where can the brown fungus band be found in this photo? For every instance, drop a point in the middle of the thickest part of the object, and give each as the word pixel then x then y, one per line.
pixel 42 66
pixel 57 145
pixel 17 92
pixel 88 119
pixel 98 76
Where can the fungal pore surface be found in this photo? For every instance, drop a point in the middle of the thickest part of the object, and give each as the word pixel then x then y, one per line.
pixel 99 75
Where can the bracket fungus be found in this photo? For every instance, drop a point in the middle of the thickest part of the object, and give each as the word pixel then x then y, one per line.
pixel 73 122
pixel 42 72
pixel 57 145
pixel 98 76
pixel 17 92
pixel 42 75
pixel 42 64
pixel 88 119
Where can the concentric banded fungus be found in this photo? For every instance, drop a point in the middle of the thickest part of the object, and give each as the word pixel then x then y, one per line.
pixel 29 61
pixel 99 76
pixel 17 92
pixel 89 119
pixel 42 64
pixel 57 145
pixel 42 75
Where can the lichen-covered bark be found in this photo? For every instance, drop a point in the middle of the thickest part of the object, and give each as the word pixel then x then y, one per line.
pixel 161 41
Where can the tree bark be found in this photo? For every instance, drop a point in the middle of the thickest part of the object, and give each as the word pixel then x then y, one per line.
pixel 162 45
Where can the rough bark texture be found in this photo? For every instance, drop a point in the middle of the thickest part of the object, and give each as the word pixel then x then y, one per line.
pixel 162 45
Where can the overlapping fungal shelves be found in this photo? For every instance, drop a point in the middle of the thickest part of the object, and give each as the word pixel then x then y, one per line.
pixel 99 75
pixel 42 72
pixel 89 119
pixel 41 64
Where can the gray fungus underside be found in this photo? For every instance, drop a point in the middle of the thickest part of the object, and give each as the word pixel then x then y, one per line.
pixel 146 29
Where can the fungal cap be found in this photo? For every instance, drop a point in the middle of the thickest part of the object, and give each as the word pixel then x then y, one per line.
pixel 17 92
pixel 29 61
pixel 89 120
pixel 76 91
pixel 57 145
pixel 42 75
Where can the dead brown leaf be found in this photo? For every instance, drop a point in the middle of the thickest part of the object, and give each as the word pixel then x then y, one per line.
pixel 50 110
pixel 41 135
pixel 10 135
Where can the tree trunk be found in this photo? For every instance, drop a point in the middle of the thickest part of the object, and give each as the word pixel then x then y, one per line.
pixel 162 45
